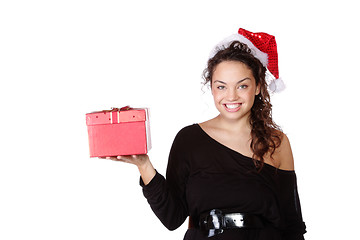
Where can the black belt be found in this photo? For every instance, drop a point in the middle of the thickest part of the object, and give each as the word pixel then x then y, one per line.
pixel 215 221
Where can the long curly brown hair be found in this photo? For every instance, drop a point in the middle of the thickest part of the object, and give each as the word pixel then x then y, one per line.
pixel 266 135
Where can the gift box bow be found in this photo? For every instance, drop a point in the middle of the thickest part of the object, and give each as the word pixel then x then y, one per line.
pixel 126 108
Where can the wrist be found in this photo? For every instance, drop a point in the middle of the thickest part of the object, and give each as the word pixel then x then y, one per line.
pixel 144 165
pixel 147 172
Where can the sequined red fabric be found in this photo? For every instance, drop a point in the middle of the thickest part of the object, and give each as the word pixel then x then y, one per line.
pixel 267 44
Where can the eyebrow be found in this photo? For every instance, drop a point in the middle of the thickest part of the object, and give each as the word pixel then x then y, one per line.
pixel 240 81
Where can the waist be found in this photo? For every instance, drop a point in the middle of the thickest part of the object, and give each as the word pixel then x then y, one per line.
pixel 215 221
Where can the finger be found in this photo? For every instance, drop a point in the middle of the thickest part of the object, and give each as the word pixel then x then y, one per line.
pixel 109 158
pixel 104 158
pixel 127 158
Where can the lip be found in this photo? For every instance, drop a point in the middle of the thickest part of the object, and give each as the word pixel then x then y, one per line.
pixel 232 109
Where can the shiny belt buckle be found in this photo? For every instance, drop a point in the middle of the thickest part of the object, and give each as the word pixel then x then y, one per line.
pixel 234 220
pixel 213 223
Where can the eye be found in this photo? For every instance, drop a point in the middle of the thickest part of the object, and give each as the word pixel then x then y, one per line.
pixel 220 87
pixel 243 86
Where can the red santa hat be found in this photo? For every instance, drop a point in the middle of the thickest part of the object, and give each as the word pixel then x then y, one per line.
pixel 263 47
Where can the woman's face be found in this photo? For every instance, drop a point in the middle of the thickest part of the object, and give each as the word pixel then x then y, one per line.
pixel 233 87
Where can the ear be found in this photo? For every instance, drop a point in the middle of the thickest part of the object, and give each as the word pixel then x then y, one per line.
pixel 257 91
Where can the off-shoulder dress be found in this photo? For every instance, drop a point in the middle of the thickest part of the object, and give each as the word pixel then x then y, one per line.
pixel 203 174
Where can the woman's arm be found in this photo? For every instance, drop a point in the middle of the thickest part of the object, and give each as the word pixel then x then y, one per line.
pixel 166 196
pixel 284 155
pixel 289 197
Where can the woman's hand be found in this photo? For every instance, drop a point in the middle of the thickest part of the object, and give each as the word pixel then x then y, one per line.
pixel 143 163
pixel 138 160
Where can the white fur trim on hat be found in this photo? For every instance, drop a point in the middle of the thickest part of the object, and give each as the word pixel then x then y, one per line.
pixel 276 85
pixel 263 57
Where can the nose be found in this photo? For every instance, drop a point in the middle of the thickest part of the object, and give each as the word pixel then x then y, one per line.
pixel 232 95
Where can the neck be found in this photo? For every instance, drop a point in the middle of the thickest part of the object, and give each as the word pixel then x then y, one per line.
pixel 238 125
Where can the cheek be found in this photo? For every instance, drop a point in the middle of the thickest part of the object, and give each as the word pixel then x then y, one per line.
pixel 216 95
pixel 251 95
pixel 214 92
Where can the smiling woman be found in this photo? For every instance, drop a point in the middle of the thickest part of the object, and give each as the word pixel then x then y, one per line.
pixel 230 94
pixel 233 174
pixel 238 85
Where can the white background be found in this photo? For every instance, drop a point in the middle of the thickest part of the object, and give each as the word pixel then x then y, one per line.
pixel 62 59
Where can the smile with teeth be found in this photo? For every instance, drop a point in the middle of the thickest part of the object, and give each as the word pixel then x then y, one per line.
pixel 232 106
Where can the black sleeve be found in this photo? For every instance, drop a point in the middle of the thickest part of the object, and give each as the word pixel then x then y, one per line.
pixel 294 227
pixel 167 198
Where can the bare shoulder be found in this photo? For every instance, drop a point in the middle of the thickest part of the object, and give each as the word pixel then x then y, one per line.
pixel 284 154
pixel 209 125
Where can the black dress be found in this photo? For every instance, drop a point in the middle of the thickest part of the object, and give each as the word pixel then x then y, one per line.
pixel 202 174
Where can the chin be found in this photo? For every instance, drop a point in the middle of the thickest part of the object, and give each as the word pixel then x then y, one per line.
pixel 234 116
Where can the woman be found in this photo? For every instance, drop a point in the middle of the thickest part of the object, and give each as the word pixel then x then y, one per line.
pixel 233 175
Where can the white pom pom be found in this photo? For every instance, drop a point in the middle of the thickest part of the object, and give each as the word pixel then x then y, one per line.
pixel 276 85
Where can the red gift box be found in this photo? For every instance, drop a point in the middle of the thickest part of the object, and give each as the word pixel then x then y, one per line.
pixel 117 132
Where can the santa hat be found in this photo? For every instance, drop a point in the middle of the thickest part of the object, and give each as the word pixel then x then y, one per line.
pixel 263 47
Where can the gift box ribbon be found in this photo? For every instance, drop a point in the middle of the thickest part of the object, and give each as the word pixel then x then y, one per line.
pixel 118 110
pixel 116 115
